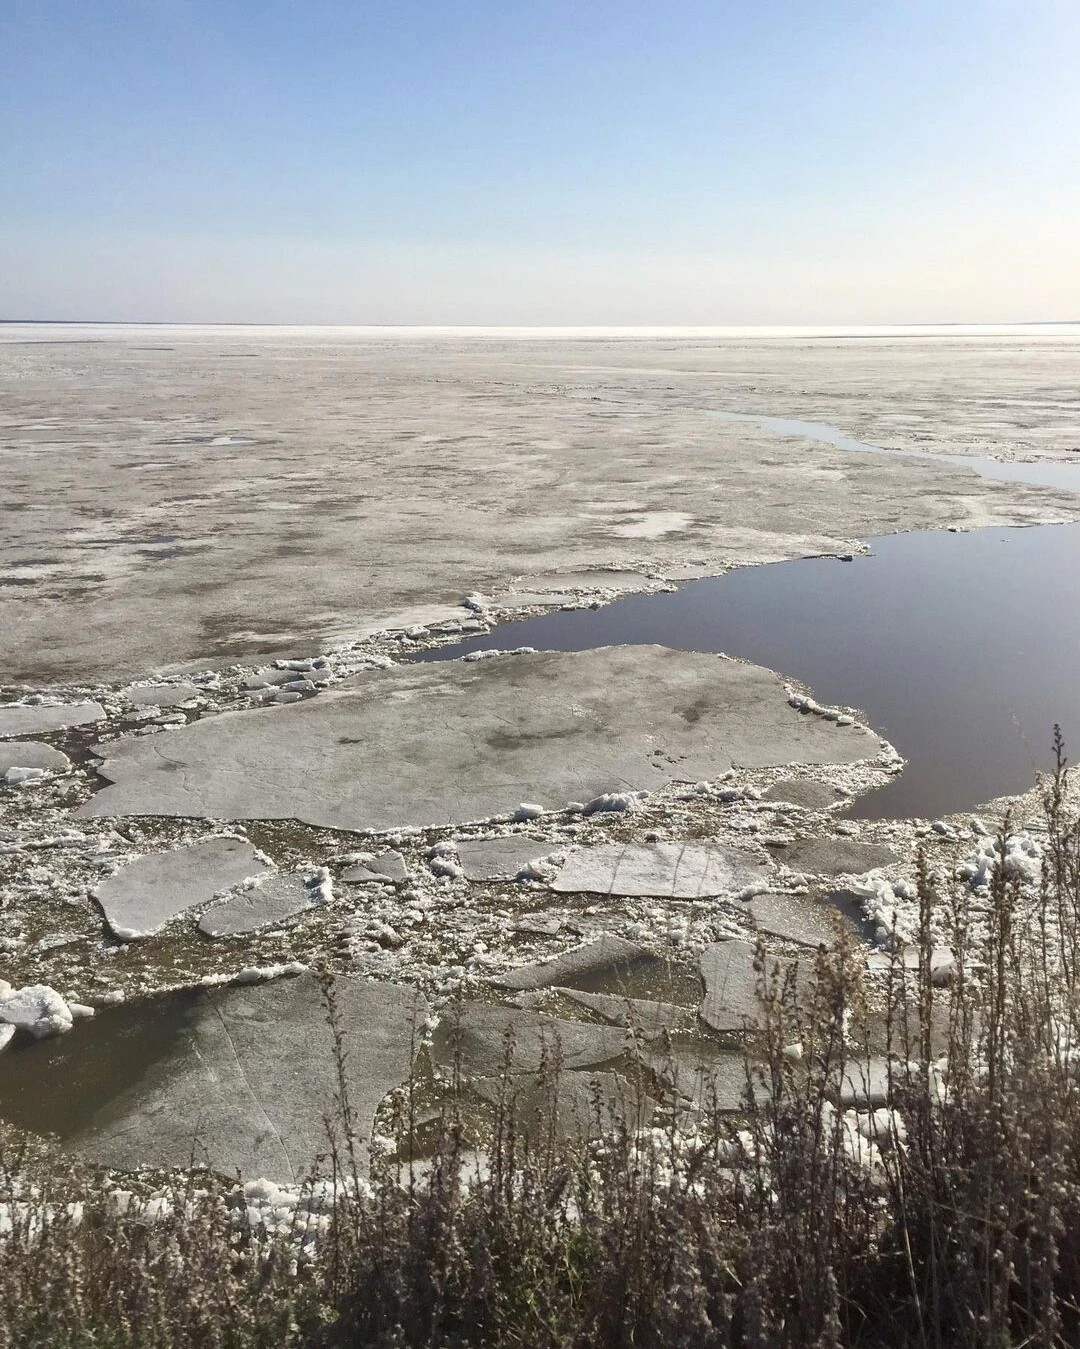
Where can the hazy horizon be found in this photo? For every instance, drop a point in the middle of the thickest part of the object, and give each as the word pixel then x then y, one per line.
pixel 1046 327
pixel 534 164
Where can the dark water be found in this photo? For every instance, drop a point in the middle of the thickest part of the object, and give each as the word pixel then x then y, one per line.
pixel 63 1085
pixel 963 650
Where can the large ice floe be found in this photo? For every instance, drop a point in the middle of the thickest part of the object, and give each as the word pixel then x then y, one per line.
pixel 250 1081
pixel 733 982
pixel 438 745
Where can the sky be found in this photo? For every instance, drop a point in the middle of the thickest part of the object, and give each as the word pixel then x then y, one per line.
pixel 540 161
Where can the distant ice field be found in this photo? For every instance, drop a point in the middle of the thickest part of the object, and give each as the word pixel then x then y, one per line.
pixel 181 495
pixel 21 331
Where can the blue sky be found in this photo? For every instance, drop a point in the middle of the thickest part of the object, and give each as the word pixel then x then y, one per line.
pixel 496 161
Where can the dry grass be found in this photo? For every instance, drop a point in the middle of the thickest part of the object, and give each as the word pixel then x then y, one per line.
pixel 949 1220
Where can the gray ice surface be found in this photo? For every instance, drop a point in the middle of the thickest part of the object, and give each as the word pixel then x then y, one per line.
pixel 606 957
pixel 805 792
pixel 490 859
pixel 143 895
pixel 159 695
pixel 555 582
pixel 667 870
pixel 703 1077
pixel 477 1038
pixel 805 919
pixel 591 1105
pixel 835 856
pixel 580 1104
pixel 538 924
pixel 32 754
pixel 865 1083
pixel 906 963
pixel 447 743
pixel 274 899
pixel 645 1015
pixel 732 1001
pixel 371 477
pixel 36 718
pixel 386 866
pixel 248 1084
pixel 530 599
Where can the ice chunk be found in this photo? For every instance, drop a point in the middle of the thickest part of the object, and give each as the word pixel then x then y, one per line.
pixel 17 777
pixel 38 1009
pixel 159 695
pixel 268 899
pixel 611 801
pixel 528 810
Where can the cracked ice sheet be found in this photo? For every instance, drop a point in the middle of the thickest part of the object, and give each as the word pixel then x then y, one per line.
pixel 251 1079
pixel 666 870
pixel 448 743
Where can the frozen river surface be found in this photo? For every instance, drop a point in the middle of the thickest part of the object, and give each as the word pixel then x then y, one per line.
pixel 179 496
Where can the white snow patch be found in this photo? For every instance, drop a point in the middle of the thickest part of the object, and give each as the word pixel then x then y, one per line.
pixel 886 905
pixel 1022 861
pixel 259 974
pixel 613 801
pixel 321 884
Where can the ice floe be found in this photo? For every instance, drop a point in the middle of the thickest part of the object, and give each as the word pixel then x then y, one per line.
pixel 262 900
pixel 670 870
pixel 806 920
pixel 140 898
pixel 607 958
pixel 733 984
pixel 506 857
pixel 29 760
pixel 159 695
pixel 644 1015
pixel 36 718
pixel 251 1079
pixel 836 856
pixel 364 868
pixel 445 744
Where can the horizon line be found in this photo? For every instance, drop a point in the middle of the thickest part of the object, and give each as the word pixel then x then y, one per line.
pixel 256 323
